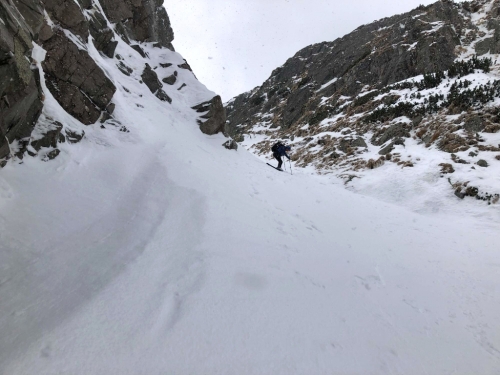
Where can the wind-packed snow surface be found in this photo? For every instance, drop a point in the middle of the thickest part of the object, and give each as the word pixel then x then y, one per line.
pixel 160 252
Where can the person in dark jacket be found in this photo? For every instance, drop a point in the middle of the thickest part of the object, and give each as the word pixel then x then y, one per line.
pixel 281 150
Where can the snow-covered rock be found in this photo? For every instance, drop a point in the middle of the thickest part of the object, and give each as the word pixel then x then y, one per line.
pixel 60 57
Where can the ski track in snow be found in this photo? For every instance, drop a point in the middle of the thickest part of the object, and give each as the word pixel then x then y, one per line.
pixel 160 252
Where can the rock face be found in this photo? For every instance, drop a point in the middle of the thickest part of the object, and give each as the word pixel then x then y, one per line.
pixel 68 30
pixel 69 15
pixel 144 21
pixel 20 94
pixel 214 114
pixel 418 76
pixel 102 34
pixel 75 80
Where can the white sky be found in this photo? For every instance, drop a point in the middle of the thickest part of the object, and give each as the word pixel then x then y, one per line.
pixel 234 45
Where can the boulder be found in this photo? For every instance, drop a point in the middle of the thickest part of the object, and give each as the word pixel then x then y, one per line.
pixel 75 80
pixel 214 114
pixel 170 80
pixel 52 154
pixel 474 124
pixel 231 145
pixel 346 144
pixel 459 193
pixel 185 66
pixel 394 131
pixel 387 149
pixel 105 116
pixel 162 95
pixel 139 49
pixel 74 136
pixel 482 163
pixel 125 69
pixel 150 78
pixel 110 108
pixel 359 142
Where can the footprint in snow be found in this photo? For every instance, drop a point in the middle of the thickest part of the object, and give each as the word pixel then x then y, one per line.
pixel 5 190
pixel 369 281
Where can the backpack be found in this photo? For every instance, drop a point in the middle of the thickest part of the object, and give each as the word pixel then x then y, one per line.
pixel 274 149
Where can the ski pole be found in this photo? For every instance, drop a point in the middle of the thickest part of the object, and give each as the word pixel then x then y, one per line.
pixel 290 166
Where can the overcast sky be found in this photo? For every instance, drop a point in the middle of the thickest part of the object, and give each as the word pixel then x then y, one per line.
pixel 234 45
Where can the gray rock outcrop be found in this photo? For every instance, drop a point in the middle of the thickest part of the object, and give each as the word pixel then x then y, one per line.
pixel 69 15
pixel 75 80
pixel 102 34
pixel 141 20
pixel 214 114
pixel 151 80
pixel 394 131
pixel 20 93
pixel 171 79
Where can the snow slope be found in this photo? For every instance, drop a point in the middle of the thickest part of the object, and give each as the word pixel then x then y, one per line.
pixel 160 252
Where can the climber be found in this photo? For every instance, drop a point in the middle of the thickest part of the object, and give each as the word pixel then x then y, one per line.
pixel 279 150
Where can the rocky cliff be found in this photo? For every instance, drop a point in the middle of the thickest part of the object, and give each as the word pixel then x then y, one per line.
pixel 68 50
pixel 423 83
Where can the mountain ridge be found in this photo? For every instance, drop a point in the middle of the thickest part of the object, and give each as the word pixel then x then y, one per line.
pixel 398 80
